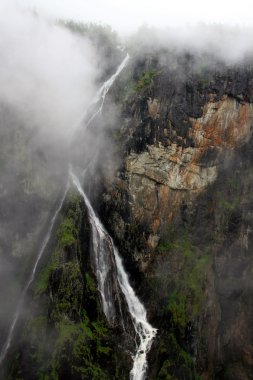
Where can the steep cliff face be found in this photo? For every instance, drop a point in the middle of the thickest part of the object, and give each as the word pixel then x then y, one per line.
pixel 180 210
pixel 176 194
pixel 167 174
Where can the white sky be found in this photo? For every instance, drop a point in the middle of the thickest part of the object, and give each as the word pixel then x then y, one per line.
pixel 128 15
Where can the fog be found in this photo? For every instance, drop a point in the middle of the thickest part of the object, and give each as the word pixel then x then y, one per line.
pixel 223 29
pixel 46 73
pixel 127 15
pixel 231 44
pixel 48 78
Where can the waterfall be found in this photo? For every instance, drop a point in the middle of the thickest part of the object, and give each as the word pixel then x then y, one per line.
pixel 144 331
pixel 101 94
pixel 102 258
pixel 8 341
pixel 111 276
pixel 113 282
pixel 106 258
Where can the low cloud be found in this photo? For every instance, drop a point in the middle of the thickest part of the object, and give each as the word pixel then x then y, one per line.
pixel 46 72
pixel 231 44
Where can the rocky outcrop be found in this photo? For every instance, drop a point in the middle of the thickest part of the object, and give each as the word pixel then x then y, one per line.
pixel 161 178
pixel 179 210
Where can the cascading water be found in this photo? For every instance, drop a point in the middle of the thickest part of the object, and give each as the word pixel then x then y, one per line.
pixel 107 261
pixel 111 277
pixel 145 332
pixel 7 343
pixel 102 258
pixel 106 258
pixel 101 94
pixel 100 97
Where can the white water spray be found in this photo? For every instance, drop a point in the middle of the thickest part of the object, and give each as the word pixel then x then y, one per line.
pixel 102 92
pixel 102 259
pixel 106 259
pixel 8 341
pixel 105 255
pixel 111 276
pixel 145 332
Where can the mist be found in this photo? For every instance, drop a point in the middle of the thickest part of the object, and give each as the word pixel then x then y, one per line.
pixel 229 44
pixel 48 77
pixel 47 73
pixel 225 28
pixel 127 15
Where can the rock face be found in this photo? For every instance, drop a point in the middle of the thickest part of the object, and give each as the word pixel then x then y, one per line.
pixel 180 211
pixel 165 175
pixel 176 194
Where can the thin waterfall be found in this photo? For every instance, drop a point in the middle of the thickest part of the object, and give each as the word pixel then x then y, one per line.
pixel 102 92
pixel 8 341
pixel 103 261
pixel 113 283
pixel 144 331
pixel 100 97
pixel 106 258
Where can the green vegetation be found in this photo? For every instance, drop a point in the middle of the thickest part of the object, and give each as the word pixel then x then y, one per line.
pixel 67 233
pixel 178 364
pixel 68 295
pixel 228 195
pixel 90 284
pixel 187 289
pixel 88 342
pixel 94 31
pixel 76 349
pixel 146 80
pixel 126 86
pixel 182 301
pixel 229 206
pixel 164 247
pixel 228 199
pixel 69 338
pixel 43 282
pixel 185 301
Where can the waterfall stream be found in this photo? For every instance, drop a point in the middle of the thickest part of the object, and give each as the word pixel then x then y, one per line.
pixel 101 94
pixel 111 276
pixel 113 283
pixel 105 254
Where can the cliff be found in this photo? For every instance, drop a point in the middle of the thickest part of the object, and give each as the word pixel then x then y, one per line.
pixel 179 209
pixel 175 193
